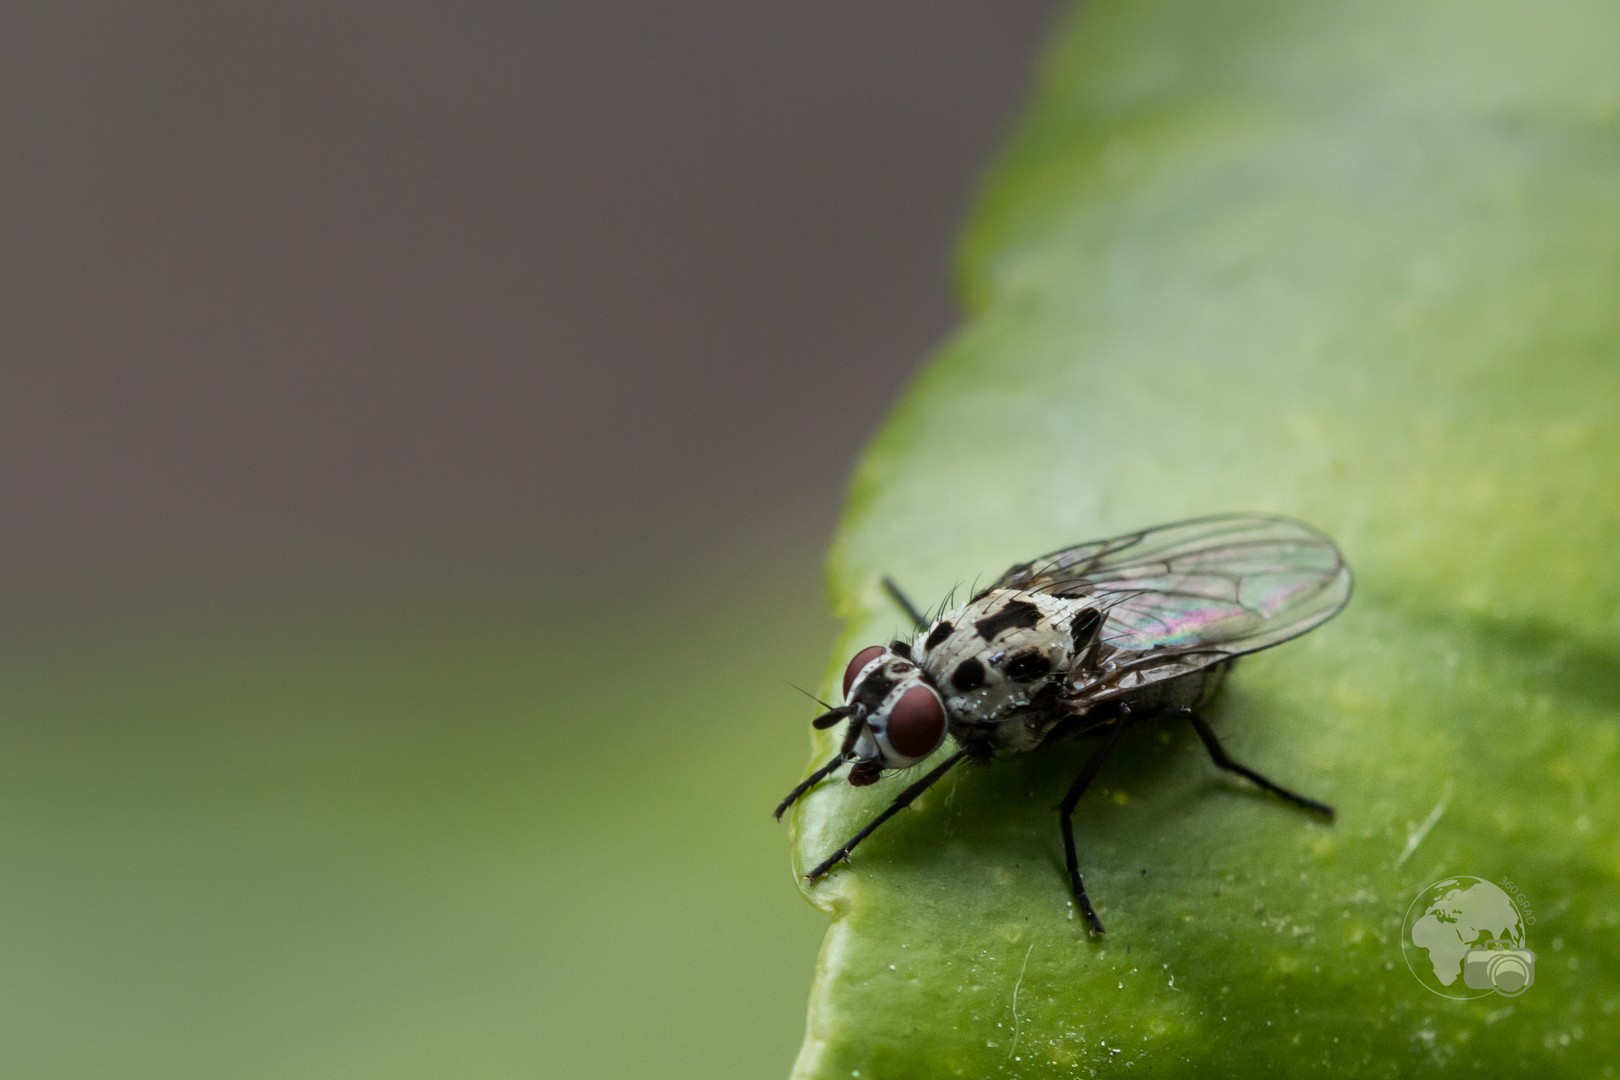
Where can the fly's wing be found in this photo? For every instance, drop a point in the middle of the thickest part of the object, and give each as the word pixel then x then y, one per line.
pixel 1180 598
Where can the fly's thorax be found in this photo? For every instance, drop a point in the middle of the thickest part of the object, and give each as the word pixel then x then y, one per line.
pixel 900 715
pixel 992 656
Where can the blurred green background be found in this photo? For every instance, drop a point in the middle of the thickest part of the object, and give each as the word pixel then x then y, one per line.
pixel 420 430
pixel 501 825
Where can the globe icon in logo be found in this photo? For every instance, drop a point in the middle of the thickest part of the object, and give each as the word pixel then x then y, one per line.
pixel 1448 920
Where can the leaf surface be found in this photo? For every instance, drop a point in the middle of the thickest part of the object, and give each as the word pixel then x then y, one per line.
pixel 1353 262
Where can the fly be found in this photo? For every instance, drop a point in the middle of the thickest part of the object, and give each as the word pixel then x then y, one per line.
pixel 1095 639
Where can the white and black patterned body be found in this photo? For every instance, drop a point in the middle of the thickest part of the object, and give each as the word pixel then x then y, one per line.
pixel 1012 665
pixel 1002 663
pixel 1088 640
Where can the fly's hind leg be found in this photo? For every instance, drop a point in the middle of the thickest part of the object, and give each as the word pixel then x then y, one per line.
pixel 1218 755
pixel 1066 813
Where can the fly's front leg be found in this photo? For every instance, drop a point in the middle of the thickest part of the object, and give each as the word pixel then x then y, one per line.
pixel 851 733
pixel 807 783
pixel 1218 755
pixel 901 801
pixel 1066 812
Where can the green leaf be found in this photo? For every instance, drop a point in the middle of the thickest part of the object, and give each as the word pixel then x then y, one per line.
pixel 1354 262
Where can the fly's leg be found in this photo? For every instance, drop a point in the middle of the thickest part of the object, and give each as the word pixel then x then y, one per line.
pixel 1218 755
pixel 851 733
pixel 905 604
pixel 1066 812
pixel 901 801
pixel 807 783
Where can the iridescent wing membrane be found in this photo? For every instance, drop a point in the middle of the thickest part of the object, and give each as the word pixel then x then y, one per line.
pixel 1180 598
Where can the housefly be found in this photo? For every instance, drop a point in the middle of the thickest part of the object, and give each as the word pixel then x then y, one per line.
pixel 1096 639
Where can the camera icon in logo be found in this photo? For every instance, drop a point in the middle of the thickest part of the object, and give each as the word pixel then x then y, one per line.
pixel 1495 964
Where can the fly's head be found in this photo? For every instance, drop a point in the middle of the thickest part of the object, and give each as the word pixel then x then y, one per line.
pixel 896 717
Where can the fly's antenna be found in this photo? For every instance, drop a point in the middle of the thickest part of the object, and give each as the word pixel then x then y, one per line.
pixel 811 696
pixel 831 717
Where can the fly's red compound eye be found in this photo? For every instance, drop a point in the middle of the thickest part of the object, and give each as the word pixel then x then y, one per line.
pixel 862 658
pixel 916 723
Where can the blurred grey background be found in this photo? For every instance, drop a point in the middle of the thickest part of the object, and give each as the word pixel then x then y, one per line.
pixel 349 274
pixel 420 427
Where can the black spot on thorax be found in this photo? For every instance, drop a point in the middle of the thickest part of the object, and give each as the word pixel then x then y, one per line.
pixel 900 648
pixel 969 675
pixel 1083 630
pixel 1028 666
pixel 1014 615
pixel 938 634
